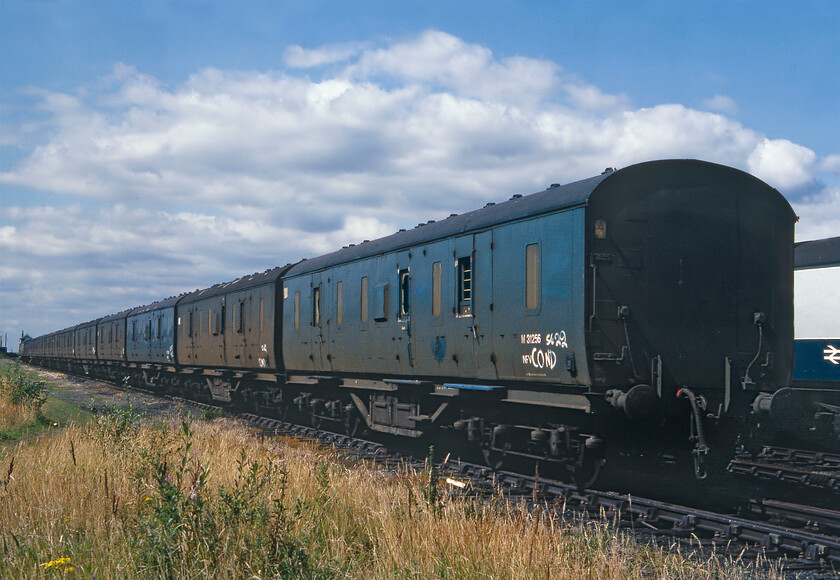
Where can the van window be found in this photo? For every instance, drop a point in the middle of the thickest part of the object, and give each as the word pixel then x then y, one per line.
pixel 240 319
pixel 436 288
pixel 465 295
pixel 339 303
pixel 316 306
pixel 405 300
pixel 364 296
pixel 532 276
pixel 380 306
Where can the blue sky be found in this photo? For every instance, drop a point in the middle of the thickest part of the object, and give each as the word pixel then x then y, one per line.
pixel 148 148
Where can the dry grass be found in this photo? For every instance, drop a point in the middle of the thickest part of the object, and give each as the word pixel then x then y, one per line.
pixel 15 417
pixel 120 499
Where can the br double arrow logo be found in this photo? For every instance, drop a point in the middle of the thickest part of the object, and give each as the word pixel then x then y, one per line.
pixel 832 354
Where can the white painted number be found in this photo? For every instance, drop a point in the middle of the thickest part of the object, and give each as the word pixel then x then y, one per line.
pixel 546 358
pixel 556 339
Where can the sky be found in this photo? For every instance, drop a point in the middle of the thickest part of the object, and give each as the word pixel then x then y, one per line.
pixel 149 148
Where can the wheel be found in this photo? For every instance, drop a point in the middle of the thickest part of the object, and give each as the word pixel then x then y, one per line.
pixel 586 472
pixel 493 458
pixel 281 410
pixel 315 420
pixel 354 425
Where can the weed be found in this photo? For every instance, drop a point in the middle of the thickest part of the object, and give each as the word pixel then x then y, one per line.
pixel 175 480
pixel 239 501
pixel 431 491
pixel 322 480
pixel 116 426
pixel 22 388
pixel 211 414
pixel 185 529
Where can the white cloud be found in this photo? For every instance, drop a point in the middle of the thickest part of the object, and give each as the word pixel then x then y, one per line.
pixel 831 163
pixel 676 131
pixel 783 164
pixel 722 103
pixel 585 96
pixel 155 189
pixel 299 57
pixel 442 61
pixel 819 215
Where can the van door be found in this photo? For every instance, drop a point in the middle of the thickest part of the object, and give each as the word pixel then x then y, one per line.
pixel 483 307
pixel 404 294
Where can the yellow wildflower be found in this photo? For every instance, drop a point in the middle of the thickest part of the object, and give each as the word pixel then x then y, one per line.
pixel 61 565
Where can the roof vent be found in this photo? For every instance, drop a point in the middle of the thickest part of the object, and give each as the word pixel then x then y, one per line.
pixel 607 170
pixel 553 185
pixel 516 196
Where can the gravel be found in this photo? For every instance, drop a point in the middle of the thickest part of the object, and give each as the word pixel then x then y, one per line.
pixel 98 396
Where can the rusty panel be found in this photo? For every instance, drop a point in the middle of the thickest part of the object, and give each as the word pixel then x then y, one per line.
pixel 111 339
pixel 202 338
pixel 229 320
pixel 85 341
pixel 249 327
pixel 65 344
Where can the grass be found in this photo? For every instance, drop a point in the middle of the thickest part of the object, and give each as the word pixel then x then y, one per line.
pixel 121 497
pixel 18 422
pixel 26 407
pixel 22 395
pixel 61 413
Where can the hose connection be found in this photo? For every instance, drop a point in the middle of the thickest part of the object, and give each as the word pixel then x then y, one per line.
pixel 698 436
pixel 759 320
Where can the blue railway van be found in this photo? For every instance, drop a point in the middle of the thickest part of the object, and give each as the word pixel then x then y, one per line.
pixel 818 360
pixel 817 316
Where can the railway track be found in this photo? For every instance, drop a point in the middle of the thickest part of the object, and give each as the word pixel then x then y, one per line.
pixel 799 516
pixel 811 469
